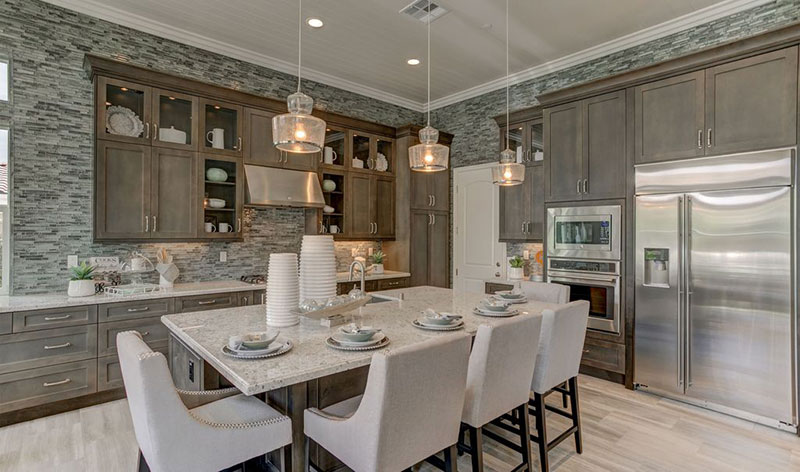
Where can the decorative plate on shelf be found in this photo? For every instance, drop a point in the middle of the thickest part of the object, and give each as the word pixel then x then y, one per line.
pixel 123 121
pixel 382 163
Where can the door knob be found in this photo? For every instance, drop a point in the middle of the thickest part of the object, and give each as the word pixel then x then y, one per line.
pixel 497 264
pixel 497 274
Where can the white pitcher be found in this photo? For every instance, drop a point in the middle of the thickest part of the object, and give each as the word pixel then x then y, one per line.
pixel 216 137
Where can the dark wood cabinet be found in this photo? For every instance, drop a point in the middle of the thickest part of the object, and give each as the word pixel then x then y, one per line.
pixel 430 257
pixel 221 127
pixel 585 148
pixel 522 207
pixel 174 194
pixel 258 147
pixel 371 208
pixel 668 116
pixel 174 120
pixel 122 190
pixel 751 104
pixel 226 220
pixel 384 207
pixel 430 190
pixel 123 111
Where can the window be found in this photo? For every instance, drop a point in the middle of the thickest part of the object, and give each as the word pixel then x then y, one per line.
pixel 5 222
pixel 3 80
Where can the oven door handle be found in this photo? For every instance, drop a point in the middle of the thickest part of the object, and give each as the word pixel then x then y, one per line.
pixel 612 281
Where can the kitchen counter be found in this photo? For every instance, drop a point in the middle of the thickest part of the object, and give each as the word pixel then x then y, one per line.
pixel 10 303
pixel 342 277
pixel 206 332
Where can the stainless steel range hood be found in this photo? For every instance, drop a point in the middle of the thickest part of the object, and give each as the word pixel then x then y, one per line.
pixel 270 186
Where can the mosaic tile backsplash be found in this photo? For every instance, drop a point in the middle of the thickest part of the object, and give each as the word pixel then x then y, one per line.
pixel 51 113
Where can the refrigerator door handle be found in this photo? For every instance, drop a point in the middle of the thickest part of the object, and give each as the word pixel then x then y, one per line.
pixel 688 288
pixel 681 325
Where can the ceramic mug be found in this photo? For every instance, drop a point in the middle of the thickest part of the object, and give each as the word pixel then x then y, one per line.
pixel 216 137
pixel 210 228
pixel 334 229
pixel 330 155
pixel 225 228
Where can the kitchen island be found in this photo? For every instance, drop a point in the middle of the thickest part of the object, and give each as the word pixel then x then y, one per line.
pixel 312 374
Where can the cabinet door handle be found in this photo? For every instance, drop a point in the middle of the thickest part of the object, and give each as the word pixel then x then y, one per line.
pixel 58 346
pixel 238 225
pixel 239 143
pixel 53 384
pixel 155 132
pixel 434 219
pixel 207 302
pixel 430 219
pixel 244 300
pixel 523 227
pixel 138 310
pixel 146 224
pixel 434 200
pixel 578 186
pixel 147 131
pixel 708 138
pixel 376 228
pixel 585 185
pixel 700 139
pixel 155 224
pixel 56 318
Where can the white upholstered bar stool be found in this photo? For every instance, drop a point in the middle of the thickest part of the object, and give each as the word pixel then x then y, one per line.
pixel 500 368
pixel 545 292
pixel 197 431
pixel 410 409
pixel 558 362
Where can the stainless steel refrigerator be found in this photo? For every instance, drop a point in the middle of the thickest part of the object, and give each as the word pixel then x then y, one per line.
pixel 715 284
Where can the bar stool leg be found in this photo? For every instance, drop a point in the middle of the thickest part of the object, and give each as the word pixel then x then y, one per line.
pixel 576 413
pixel 141 463
pixel 307 454
pixel 451 459
pixel 541 428
pixel 476 448
pixel 524 436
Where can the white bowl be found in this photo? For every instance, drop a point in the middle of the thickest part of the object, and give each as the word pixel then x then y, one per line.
pixel 216 203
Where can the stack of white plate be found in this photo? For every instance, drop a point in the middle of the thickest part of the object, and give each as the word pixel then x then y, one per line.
pixel 317 268
pixel 283 293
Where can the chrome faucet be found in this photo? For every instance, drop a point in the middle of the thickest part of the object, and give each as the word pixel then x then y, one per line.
pixel 363 271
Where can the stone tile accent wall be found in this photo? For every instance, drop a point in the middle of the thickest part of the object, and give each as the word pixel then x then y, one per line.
pixel 51 115
pixel 344 255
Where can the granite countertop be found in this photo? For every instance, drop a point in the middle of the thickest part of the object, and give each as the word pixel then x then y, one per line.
pixel 60 299
pixel 387 274
pixel 206 332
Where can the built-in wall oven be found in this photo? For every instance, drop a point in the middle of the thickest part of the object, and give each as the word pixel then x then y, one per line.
pixel 598 282
pixel 584 253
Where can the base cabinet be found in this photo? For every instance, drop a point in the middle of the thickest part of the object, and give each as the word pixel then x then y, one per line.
pixel 430 249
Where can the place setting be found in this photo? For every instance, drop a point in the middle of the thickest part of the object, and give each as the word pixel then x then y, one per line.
pixel 495 308
pixel 432 320
pixel 357 338
pixel 515 296
pixel 257 345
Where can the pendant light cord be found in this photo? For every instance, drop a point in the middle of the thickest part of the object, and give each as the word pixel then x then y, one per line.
pixel 300 41
pixel 429 63
pixel 508 103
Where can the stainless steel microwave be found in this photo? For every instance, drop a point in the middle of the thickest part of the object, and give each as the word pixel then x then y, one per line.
pixel 589 232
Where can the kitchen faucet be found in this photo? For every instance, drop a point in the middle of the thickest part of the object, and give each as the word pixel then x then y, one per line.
pixel 363 271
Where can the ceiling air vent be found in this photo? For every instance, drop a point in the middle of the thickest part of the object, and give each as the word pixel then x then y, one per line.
pixel 419 10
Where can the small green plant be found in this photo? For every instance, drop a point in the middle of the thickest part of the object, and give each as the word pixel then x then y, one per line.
pixel 377 257
pixel 516 262
pixel 82 272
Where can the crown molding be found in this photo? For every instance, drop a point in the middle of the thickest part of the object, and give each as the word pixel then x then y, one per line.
pixel 681 23
pixel 97 9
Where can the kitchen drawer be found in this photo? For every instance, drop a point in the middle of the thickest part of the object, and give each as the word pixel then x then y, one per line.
pixel 133 310
pixel 47 384
pixel 493 287
pixel 5 323
pixel 343 288
pixel 388 284
pixel 47 347
pixel 206 302
pixel 245 298
pixel 604 355
pixel 153 331
pixel 259 296
pixel 54 318
pixel 109 375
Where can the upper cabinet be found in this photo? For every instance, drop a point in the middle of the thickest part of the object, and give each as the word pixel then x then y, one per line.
pixel 221 127
pixel 740 106
pixel 371 153
pixel 585 143
pixel 174 115
pixel 258 147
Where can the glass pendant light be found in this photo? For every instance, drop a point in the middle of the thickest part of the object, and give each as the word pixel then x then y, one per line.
pixel 428 155
pixel 298 131
pixel 508 172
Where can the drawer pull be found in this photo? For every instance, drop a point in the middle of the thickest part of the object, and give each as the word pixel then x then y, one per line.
pixel 53 384
pixel 58 346
pixel 137 310
pixel 207 302
pixel 56 318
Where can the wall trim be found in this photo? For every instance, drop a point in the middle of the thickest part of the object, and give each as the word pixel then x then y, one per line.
pixel 97 9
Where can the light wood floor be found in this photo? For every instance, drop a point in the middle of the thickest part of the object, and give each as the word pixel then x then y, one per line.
pixel 623 431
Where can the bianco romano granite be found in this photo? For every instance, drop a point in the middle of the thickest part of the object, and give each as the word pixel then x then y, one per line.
pixel 206 332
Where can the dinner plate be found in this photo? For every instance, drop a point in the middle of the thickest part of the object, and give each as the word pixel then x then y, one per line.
pixel 496 314
pixel 418 324
pixel 513 301
pixel 332 343
pixel 376 338
pixel 281 348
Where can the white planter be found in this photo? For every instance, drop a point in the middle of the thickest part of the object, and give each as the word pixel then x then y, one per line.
pixel 80 288
pixel 377 268
pixel 516 273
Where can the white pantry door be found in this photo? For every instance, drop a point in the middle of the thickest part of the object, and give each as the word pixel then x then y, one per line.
pixel 477 255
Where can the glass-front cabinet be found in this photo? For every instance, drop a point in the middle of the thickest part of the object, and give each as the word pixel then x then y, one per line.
pixel 526 140
pixel 372 152
pixel 123 111
pixel 334 153
pixel 222 184
pixel 221 127
pixel 174 117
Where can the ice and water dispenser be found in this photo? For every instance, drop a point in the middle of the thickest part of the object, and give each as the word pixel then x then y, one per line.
pixel 656 267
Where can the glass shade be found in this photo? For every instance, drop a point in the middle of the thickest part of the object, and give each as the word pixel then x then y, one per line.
pixel 428 155
pixel 507 172
pixel 298 131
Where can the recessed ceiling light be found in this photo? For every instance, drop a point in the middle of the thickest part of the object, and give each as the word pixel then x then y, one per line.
pixel 315 22
pixel 413 62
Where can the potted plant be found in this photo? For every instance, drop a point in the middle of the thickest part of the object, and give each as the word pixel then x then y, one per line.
pixel 517 269
pixel 81 283
pixel 377 259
